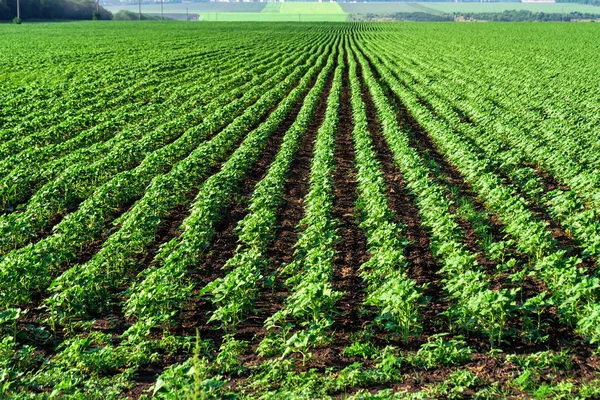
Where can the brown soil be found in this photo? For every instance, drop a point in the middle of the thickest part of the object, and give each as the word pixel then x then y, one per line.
pixel 194 317
pixel 47 230
pixel 422 266
pixel 35 315
pixel 281 252
pixel 560 336
pixel 445 174
pixel 450 176
pixel 564 241
pixel 351 250
pixel 351 253
pixel 170 226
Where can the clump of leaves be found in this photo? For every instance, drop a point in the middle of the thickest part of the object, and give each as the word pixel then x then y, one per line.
pixel 228 360
pixel 390 363
pixel 455 386
pixel 441 352
pixel 533 325
pixel 173 344
pixel 9 319
pixel 194 379
pixel 361 346
pixel 543 360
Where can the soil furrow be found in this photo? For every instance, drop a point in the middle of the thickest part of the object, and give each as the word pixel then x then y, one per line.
pixel 448 176
pixel 559 335
pixel 281 252
pixel 423 143
pixel 194 317
pixel 351 250
pixel 422 266
pixel 565 241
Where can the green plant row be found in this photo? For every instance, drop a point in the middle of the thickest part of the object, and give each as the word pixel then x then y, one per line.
pixel 133 141
pixel 83 360
pixel 78 119
pixel 234 295
pixel 79 181
pixel 162 290
pixel 111 69
pixel 492 248
pixel 167 87
pixel 555 118
pixel 81 105
pixel 566 207
pixel 85 287
pixel 308 312
pixel 547 132
pixel 83 87
pixel 177 378
pixel 26 172
pixel 22 182
pixel 390 290
pixel 34 265
pixel 575 294
pixel 476 306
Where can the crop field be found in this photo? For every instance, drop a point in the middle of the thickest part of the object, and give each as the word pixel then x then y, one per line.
pixel 299 211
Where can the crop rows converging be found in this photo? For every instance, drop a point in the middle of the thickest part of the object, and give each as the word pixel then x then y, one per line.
pixel 302 211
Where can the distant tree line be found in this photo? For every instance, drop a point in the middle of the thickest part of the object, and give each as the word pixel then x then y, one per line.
pixel 52 9
pixel 592 2
pixel 506 16
pixel 527 16
pixel 402 16
pixel 421 17
pixel 125 15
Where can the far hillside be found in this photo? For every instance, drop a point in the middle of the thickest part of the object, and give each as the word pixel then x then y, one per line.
pixel 465 7
pixel 333 11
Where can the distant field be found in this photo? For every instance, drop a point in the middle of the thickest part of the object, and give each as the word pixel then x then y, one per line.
pixel 273 17
pixel 304 12
pixel 386 8
pixel 499 7
pixel 439 8
pixel 314 11
pixel 193 7
pixel 269 12
pixel 304 8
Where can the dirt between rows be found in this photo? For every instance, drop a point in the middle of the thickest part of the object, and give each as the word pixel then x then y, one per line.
pixel 351 249
pixel 194 318
pixel 351 252
pixel 422 266
pixel 196 315
pixel 563 240
pixel 561 337
pixel 281 251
